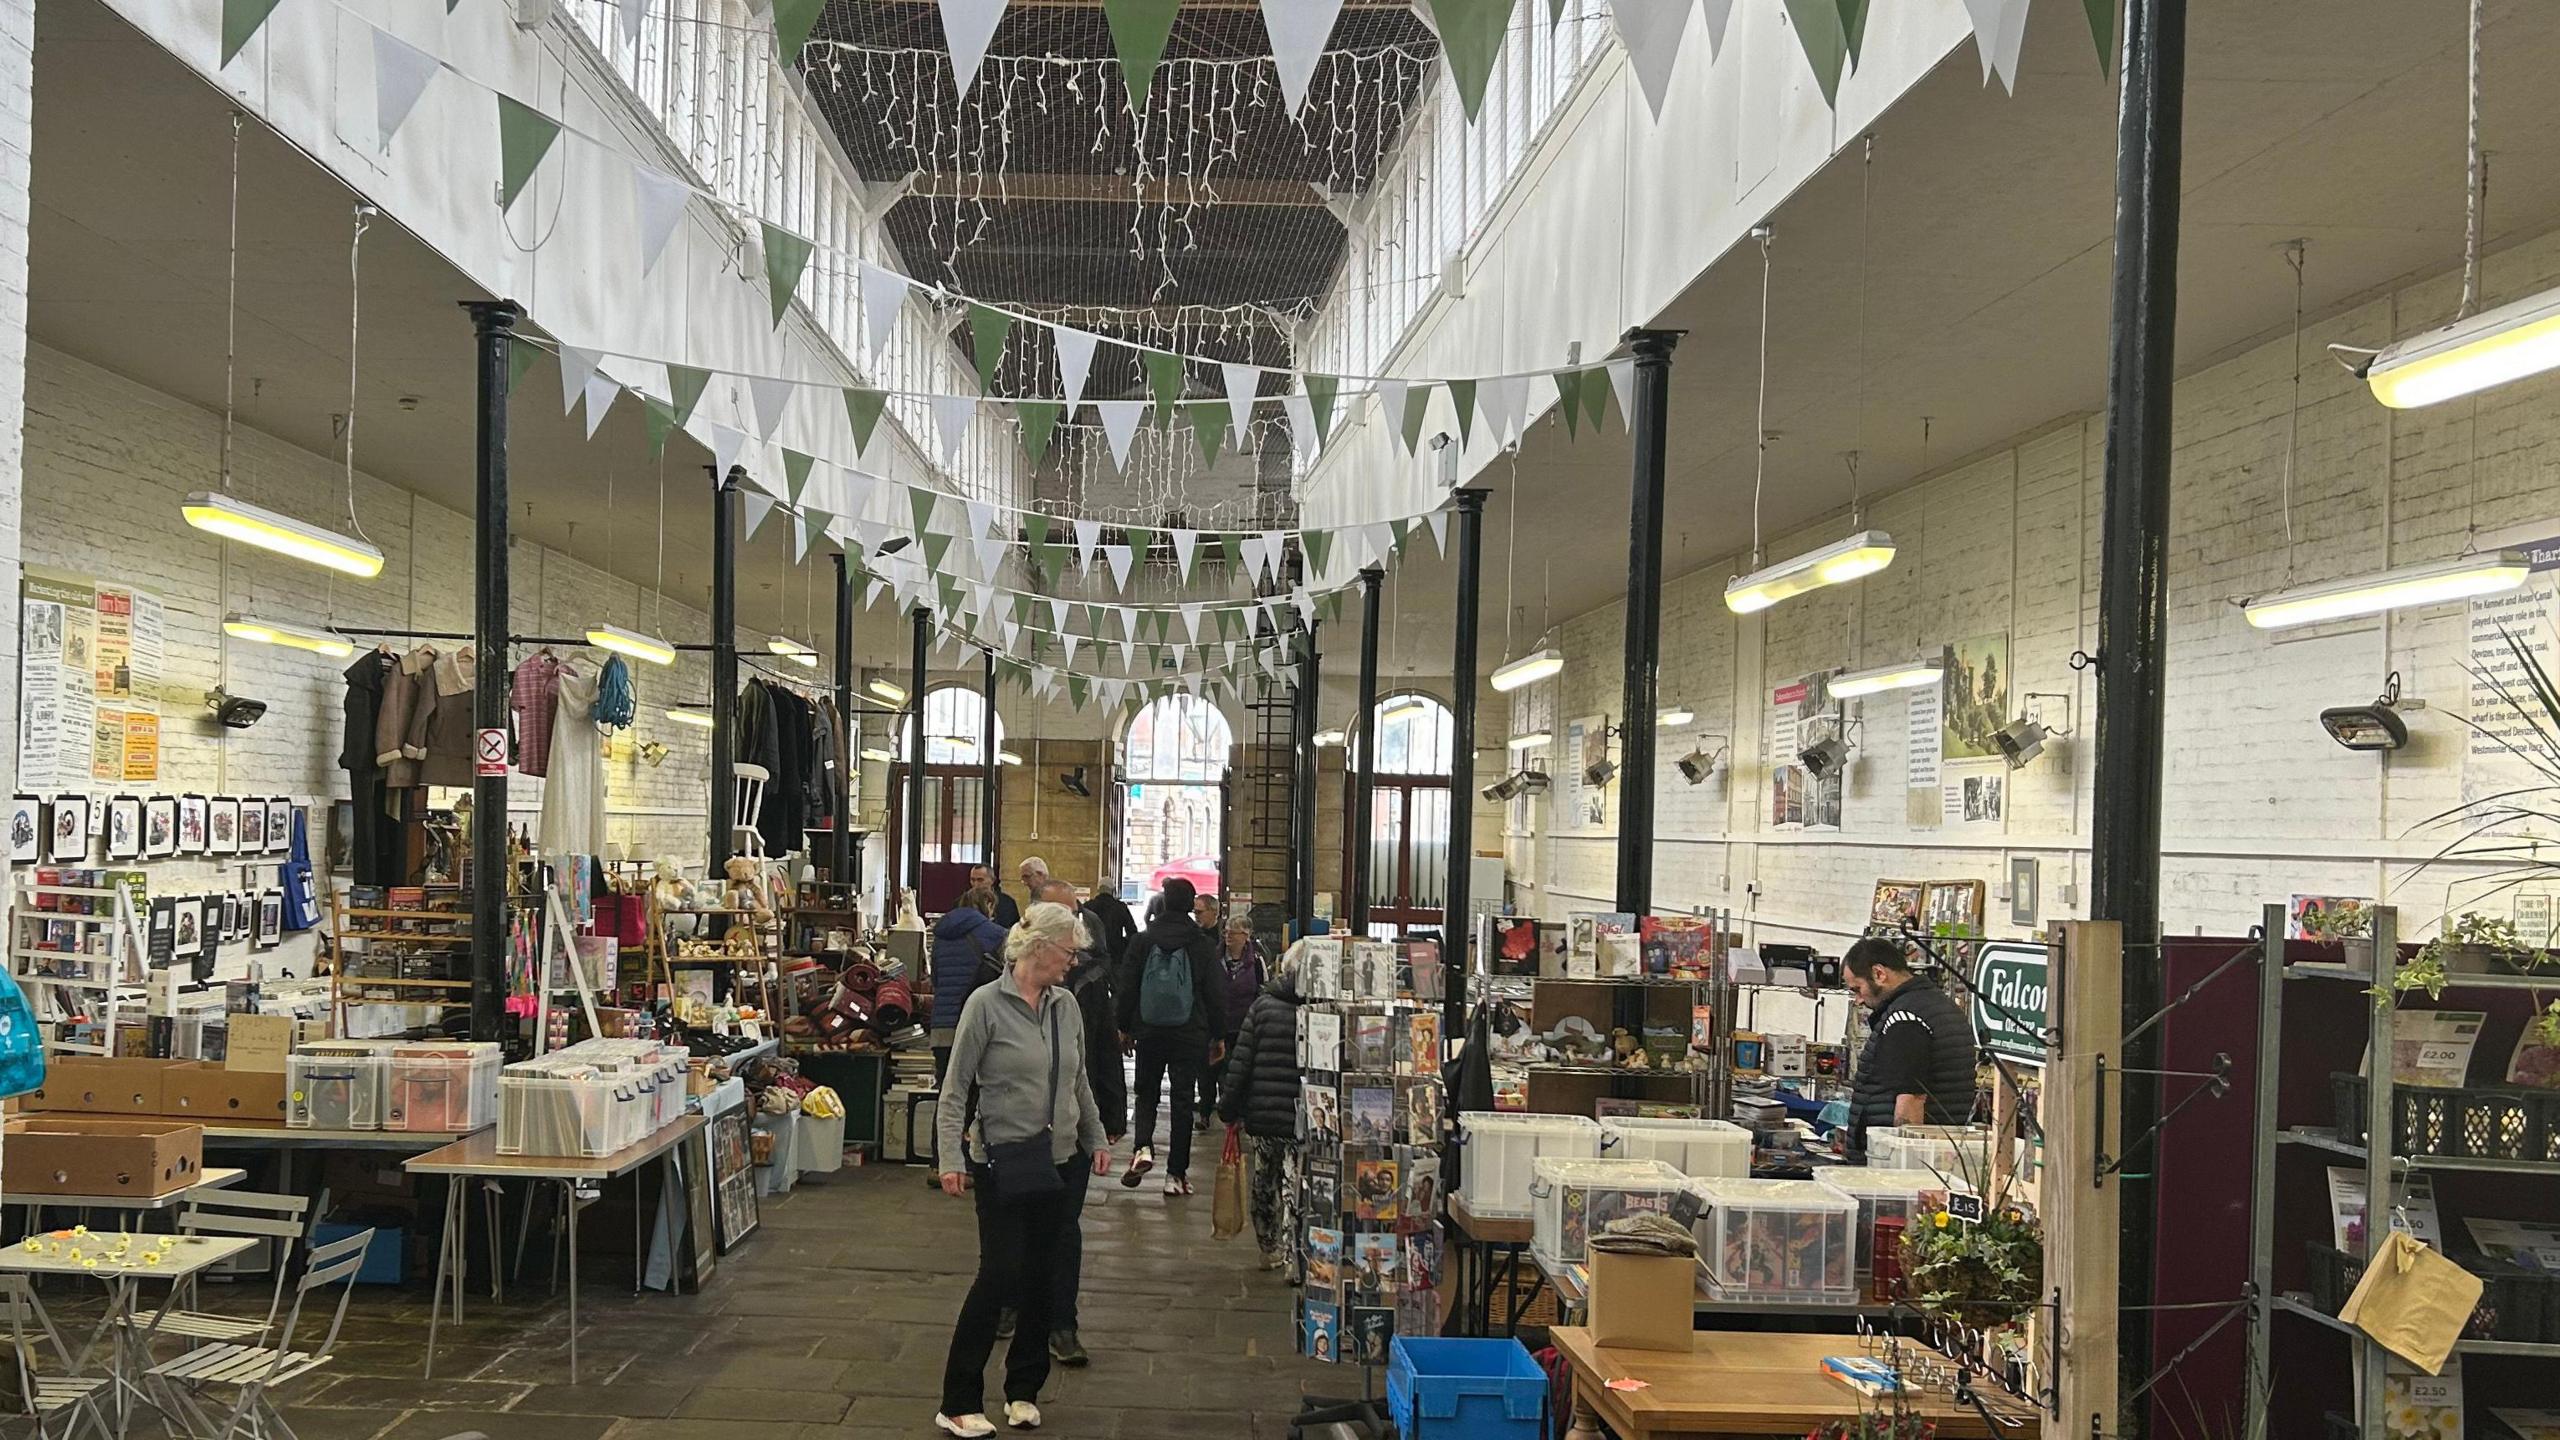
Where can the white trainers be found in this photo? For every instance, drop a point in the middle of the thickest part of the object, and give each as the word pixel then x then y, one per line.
pixel 970 1427
pixel 1140 1162
pixel 1022 1415
pixel 1177 1185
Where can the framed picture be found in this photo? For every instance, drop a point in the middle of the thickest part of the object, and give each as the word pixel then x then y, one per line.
pixel 269 931
pixel 159 827
pixel 1897 903
pixel 191 809
pixel 186 929
pixel 280 825
pixel 227 909
pixel 70 837
pixel 160 934
pixel 124 828
pixel 733 1177
pixel 222 826
pixel 253 827
pixel 26 829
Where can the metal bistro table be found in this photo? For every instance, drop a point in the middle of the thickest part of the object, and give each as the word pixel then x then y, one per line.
pixel 116 1261
pixel 477 1155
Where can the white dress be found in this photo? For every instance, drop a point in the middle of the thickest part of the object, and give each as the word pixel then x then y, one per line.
pixel 573 793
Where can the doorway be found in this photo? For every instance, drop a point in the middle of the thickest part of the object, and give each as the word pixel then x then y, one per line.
pixel 1170 802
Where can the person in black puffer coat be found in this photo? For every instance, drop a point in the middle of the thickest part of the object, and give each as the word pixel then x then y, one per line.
pixel 1261 1094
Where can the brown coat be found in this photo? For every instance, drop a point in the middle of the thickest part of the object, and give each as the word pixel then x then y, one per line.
pixel 449 729
pixel 400 728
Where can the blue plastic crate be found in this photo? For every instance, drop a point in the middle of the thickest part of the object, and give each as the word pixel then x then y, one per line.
pixel 385 1256
pixel 1465 1390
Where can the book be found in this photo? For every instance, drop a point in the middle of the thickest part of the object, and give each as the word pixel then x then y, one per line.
pixel 1674 945
pixel 1863 1373
pixel 1373 1115
pixel 1323 1107
pixel 1422 1043
pixel 1378 1261
pixel 1318 1324
pixel 1421 1187
pixel 1324 1258
pixel 1621 955
pixel 1515 946
pixel 1372 1045
pixel 1322 1188
pixel 1373 970
pixel 1422 1252
pixel 1422 1113
pixel 1418 971
pixel 1320 967
pixel 1324 1040
pixel 1376 1186
pixel 1373 1329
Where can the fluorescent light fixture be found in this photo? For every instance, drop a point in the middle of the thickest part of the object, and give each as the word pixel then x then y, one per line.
pixel 1007 757
pixel 2431 582
pixel 276 632
pixel 1837 563
pixel 894 693
pixel 792 650
pixel 2478 353
pixel 1534 740
pixel 1328 737
pixel 874 752
pixel 1405 706
pixel 631 643
pixel 1528 670
pixel 1676 715
pixel 958 742
pixel 699 719
pixel 1907 676
pixel 237 519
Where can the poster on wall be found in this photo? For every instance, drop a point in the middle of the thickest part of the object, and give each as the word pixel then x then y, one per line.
pixel 2497 756
pixel 1923 714
pixel 1586 806
pixel 1800 713
pixel 1974 691
pixel 89 672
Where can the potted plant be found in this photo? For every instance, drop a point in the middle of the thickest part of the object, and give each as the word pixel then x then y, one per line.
pixel 2347 925
pixel 1986 1274
pixel 2476 944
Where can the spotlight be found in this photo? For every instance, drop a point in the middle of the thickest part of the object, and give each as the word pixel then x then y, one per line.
pixel 1598 772
pixel 2021 741
pixel 1503 789
pixel 2377 726
pixel 1699 766
pixel 1074 782
pixel 653 751
pixel 236 712
pixel 1825 757
pixel 1533 782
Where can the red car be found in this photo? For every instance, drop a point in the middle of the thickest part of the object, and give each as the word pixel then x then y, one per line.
pixel 1200 870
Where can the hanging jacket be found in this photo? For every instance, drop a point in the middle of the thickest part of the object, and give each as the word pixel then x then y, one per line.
pixel 1181 934
pixel 1261 1088
pixel 1933 1054
pixel 455 679
pixel 961 939
pixel 400 730
pixel 1245 977
pixel 365 677
pixel 1089 980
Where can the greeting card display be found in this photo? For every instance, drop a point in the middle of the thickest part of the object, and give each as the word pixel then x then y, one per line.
pixel 1368 1184
pixel 253 827
pixel 124 828
pixel 191 813
pixel 222 829
pixel 159 827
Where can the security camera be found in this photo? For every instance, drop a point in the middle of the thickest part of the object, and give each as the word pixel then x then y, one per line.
pixel 1825 757
pixel 236 712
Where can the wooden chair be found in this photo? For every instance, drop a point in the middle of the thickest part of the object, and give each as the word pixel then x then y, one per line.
pixel 184 1386
pixel 279 1219
pixel 45 1396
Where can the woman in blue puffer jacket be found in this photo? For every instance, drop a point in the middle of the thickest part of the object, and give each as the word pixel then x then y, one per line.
pixel 966 943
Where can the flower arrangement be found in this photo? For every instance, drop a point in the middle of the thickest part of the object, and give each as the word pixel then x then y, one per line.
pixel 1986 1275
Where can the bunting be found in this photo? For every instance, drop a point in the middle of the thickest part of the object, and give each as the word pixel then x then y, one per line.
pixel 785 256
pixel 525 135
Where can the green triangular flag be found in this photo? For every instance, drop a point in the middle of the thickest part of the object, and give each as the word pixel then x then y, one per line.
pixel 1462 398
pixel 1569 400
pixel 935 547
pixel 1595 397
pixel 921 500
pixel 1039 420
pixel 1039 645
pixel 1139 29
pixel 685 385
pixel 816 522
pixel 525 135
pixel 1139 539
pixel 2102 28
pixel 1400 529
pixel 240 20
pixel 1826 45
pixel 1164 381
pixel 1471 40
pixel 785 256
pixel 987 332
pixel 1319 547
pixel 795 472
pixel 863 408
pixel 792 22
pixel 661 419
pixel 1332 607
pixel 1555 12
pixel 950 591
pixel 1093 621
pixel 1208 421
pixel 1076 691
pixel 1048 558
pixel 1853 27
pixel 1417 405
pixel 1320 392
pixel 521 354
pixel 1233 544
pixel 1035 528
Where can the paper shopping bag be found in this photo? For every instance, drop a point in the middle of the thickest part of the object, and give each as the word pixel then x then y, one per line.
pixel 2413 1302
pixel 1226 1211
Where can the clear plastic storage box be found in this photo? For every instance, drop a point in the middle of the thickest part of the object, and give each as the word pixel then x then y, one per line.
pixel 335 1087
pixel 442 1086
pixel 1573 1200
pixel 1700 1149
pixel 591 1098
pixel 1959 1152
pixel 1886 1194
pixel 1777 1240
pixel 1500 1148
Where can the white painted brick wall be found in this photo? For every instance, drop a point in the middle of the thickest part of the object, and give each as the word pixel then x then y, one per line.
pixel 17 113
pixel 2259 804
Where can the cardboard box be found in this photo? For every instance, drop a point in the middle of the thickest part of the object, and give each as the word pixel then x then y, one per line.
pixel 101 1085
pixel 58 1155
pixel 214 1095
pixel 259 1043
pixel 1643 1302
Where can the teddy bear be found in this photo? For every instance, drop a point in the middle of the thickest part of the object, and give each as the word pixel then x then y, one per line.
pixel 745 891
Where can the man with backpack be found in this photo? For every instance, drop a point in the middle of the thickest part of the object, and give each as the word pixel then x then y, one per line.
pixel 1172 1009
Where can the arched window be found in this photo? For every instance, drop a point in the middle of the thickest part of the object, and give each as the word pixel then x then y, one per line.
pixel 1409 817
pixel 1171 800
pixel 954 727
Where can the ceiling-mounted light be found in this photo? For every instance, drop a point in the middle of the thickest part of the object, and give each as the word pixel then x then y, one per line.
pixel 2428 583
pixel 888 690
pixel 1007 757
pixel 235 519
pixel 1404 707
pixel 1328 737
pixel 874 752
pixel 1907 676
pixel 792 650
pixel 698 719
pixel 1528 669
pixel 1676 716
pixel 1837 563
pixel 276 632
pixel 631 643
pixel 959 742
pixel 2469 355
pixel 1534 740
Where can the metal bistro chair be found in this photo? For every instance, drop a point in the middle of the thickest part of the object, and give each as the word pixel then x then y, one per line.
pixel 184 1385
pixel 279 1219
pixel 45 1396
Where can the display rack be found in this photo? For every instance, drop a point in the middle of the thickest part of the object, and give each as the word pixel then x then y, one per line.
pixel 1573 1087
pixel 98 979
pixel 367 938
pixel 754 967
pixel 2384 1169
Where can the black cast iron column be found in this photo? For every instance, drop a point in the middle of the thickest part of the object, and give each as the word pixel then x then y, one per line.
pixel 724 670
pixel 2133 590
pixel 840 863
pixel 1652 392
pixel 1458 928
pixel 915 758
pixel 1302 780
pixel 987 811
pixel 1364 776
pixel 493 324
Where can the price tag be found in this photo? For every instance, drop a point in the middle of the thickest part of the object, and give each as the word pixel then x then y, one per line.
pixel 1968 1208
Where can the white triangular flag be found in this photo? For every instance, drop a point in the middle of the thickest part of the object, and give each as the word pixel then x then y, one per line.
pixel 1243 382
pixel 982 517
pixel 883 292
pixel 951 417
pixel 602 391
pixel 1438 520
pixel 1128 622
pixel 1275 548
pixel 1075 361
pixel 1251 550
pixel 1191 622
pixel 1231 654
pixel 1088 535
pixel 967 26
pixel 1391 405
pixel 1306 603
pixel 1128 656
pixel 1502 402
pixel 400 75
pixel 1382 542
pixel 802 532
pixel 633 13
pixel 771 398
pixel 1298 30
pixel 2013 38
pixel 1119 557
pixel 660 200
pixel 1119 422
pixel 1042 677
pixel 1651 30
pixel 1009 630
pixel 1184 543
pixel 1068 640
pixel 1719 12
pixel 758 506
pixel 1057 616
pixel 856 488
pixel 576 366
pixel 990 550
pixel 872 592
pixel 1302 425
pixel 1622 379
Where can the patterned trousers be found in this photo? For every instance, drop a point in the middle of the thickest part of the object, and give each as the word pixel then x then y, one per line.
pixel 1272 1164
